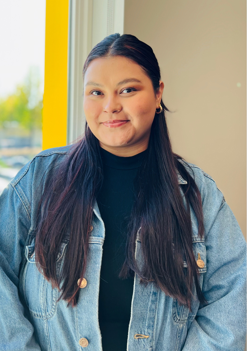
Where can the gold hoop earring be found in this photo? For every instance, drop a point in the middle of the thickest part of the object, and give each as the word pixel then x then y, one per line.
pixel 159 109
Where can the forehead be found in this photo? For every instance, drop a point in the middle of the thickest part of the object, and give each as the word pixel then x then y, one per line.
pixel 114 69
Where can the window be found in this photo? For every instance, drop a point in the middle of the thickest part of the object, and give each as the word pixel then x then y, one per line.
pixel 22 42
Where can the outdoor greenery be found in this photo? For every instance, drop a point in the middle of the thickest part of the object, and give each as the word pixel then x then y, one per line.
pixel 3 164
pixel 24 106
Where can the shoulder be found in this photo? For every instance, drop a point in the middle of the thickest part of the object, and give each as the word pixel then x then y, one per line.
pixel 204 181
pixel 212 198
pixel 28 184
pixel 39 165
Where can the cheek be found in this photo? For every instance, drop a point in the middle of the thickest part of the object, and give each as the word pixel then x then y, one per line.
pixel 92 110
pixel 143 111
pixel 144 104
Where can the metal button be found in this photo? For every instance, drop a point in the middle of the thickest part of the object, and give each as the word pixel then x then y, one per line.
pixel 82 284
pixel 141 336
pixel 200 263
pixel 83 342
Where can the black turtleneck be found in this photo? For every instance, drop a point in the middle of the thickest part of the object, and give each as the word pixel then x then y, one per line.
pixel 115 202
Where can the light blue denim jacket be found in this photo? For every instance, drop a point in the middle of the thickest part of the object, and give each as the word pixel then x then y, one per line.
pixel 32 319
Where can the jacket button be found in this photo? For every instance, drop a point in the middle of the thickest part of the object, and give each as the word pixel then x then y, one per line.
pixel 83 342
pixel 91 228
pixel 82 283
pixel 200 263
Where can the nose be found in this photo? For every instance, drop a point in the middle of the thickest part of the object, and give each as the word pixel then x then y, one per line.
pixel 112 105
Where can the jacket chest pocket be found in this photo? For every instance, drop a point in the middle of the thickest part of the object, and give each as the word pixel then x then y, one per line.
pixel 40 297
pixel 182 314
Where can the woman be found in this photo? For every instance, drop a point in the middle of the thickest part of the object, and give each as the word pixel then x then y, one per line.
pixel 115 242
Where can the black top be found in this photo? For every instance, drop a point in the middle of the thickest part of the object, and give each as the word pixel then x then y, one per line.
pixel 115 202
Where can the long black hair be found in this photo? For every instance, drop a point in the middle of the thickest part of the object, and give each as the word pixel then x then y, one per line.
pixel 161 213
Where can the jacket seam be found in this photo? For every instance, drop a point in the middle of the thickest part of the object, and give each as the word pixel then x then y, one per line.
pixel 16 181
pixel 222 203
pixel 22 202
pixel 204 173
pixel 208 177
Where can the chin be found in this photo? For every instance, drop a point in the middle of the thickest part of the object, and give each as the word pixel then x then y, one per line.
pixel 114 144
pixel 117 145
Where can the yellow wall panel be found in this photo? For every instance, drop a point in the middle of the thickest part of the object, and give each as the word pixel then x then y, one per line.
pixel 56 63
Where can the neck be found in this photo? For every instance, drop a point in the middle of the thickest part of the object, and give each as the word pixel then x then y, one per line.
pixel 124 151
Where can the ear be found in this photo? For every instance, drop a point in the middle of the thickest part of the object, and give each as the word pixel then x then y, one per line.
pixel 159 93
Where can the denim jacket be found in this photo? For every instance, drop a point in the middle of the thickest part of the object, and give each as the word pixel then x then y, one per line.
pixel 32 319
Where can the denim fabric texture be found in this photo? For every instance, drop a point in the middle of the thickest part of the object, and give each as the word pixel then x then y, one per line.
pixel 32 319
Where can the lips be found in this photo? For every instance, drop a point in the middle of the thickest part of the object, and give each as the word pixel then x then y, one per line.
pixel 115 123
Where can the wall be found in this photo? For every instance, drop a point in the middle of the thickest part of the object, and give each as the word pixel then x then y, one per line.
pixel 200 46
pixel 56 62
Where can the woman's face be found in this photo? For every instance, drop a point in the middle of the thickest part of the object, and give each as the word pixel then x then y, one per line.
pixel 120 104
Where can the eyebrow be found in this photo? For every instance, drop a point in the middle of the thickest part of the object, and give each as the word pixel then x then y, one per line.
pixel 128 80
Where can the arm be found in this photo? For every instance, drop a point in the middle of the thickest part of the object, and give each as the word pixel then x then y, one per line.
pixel 16 332
pixel 221 323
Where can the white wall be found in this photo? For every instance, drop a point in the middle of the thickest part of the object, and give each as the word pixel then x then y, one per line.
pixel 201 48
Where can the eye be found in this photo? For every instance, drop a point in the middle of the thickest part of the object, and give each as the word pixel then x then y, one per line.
pixel 128 90
pixel 95 92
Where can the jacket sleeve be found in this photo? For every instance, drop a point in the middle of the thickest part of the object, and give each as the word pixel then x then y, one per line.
pixel 16 332
pixel 220 324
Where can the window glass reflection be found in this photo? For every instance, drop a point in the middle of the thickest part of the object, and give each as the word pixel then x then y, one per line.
pixel 22 42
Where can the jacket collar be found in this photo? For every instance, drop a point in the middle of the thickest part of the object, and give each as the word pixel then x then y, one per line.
pixel 181 180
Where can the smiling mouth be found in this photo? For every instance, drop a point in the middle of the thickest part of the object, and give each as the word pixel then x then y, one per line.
pixel 115 123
